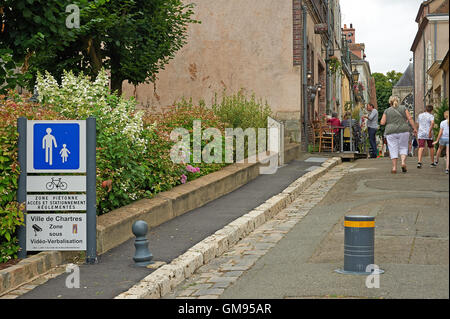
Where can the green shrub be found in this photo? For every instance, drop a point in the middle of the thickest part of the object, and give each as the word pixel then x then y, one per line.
pixel 438 118
pixel 237 110
pixel 182 115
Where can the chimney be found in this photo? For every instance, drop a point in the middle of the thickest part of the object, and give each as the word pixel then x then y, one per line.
pixel 351 25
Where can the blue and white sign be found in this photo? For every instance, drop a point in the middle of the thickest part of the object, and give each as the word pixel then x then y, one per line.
pixel 56 146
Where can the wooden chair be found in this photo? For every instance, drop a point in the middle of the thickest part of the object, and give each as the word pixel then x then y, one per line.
pixel 326 138
pixel 316 133
pixel 346 138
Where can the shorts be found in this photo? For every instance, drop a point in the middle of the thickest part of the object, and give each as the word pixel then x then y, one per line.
pixel 443 141
pixel 422 143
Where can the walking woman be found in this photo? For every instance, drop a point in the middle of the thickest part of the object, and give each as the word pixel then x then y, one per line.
pixel 443 139
pixel 396 119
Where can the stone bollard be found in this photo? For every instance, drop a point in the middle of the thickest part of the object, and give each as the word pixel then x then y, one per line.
pixel 142 256
pixel 359 242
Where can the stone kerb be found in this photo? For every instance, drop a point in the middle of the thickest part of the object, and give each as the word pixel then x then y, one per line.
pixel 222 240
pixel 30 268
pixel 114 228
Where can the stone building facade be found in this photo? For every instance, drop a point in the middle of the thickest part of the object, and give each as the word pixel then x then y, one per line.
pixel 429 48
pixel 265 49
pixel 364 91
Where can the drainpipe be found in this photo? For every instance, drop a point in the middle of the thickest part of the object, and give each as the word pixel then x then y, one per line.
pixel 327 62
pixel 304 70
pixel 414 85
pixel 424 77
pixel 435 41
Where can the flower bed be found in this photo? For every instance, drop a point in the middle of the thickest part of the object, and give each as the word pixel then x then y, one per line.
pixel 133 147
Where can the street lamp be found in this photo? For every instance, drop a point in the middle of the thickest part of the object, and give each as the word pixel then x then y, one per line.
pixel 312 89
pixel 355 76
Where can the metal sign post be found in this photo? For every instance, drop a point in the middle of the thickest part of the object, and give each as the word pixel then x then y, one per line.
pixel 58 147
pixel 91 209
pixel 22 184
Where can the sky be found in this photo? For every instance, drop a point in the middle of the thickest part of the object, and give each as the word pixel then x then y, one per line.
pixel 386 27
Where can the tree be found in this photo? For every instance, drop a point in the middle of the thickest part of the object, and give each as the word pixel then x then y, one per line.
pixel 393 77
pixel 134 39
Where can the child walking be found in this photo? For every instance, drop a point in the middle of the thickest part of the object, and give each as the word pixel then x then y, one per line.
pixel 443 139
pixel 425 134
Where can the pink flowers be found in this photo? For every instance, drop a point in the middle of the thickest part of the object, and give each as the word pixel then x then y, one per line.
pixel 192 169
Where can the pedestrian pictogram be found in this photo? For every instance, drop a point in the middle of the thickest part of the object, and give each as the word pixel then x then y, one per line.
pixel 64 153
pixel 47 144
pixel 56 146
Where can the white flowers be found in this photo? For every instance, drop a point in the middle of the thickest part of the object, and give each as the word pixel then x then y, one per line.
pixel 78 97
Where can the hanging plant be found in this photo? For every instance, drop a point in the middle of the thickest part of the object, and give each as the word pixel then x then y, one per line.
pixel 334 64
pixel 361 86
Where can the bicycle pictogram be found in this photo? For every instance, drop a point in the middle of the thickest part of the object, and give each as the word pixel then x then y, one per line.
pixel 56 182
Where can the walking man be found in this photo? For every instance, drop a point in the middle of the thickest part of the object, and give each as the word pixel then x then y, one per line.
pixel 372 127
pixel 425 134
pixel 47 144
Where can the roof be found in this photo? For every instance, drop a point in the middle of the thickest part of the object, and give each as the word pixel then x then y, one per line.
pixel 444 63
pixel 442 10
pixel 422 6
pixel 407 78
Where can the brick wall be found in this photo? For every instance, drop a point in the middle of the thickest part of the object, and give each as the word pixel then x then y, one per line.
pixel 297 31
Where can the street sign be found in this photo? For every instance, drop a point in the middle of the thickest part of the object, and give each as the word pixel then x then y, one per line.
pixel 56 232
pixel 320 28
pixel 56 202
pixel 56 146
pixel 56 183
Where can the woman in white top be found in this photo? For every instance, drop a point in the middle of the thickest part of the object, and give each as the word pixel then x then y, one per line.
pixel 443 140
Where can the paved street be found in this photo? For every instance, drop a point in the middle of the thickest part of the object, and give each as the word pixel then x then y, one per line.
pixel 296 254
pixel 116 271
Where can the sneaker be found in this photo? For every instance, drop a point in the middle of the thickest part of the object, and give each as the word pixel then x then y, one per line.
pixel 446 171
pixel 433 164
pixel 419 165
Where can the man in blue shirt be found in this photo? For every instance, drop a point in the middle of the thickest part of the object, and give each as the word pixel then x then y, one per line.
pixel 372 127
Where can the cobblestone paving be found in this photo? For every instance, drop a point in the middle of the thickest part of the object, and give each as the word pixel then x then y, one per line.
pixel 211 280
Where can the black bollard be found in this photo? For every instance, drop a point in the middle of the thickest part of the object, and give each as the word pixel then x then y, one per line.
pixel 359 243
pixel 142 256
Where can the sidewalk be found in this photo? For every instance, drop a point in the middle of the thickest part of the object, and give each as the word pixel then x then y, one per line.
pixel 116 273
pixel 295 255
